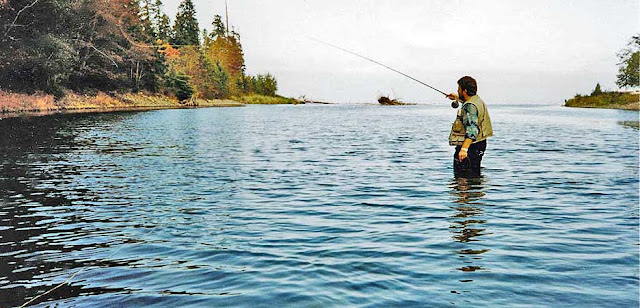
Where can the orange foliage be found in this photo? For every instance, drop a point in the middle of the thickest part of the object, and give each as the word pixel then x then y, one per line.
pixel 169 52
pixel 228 52
pixel 187 62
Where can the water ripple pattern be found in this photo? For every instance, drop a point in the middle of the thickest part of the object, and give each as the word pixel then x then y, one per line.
pixel 319 206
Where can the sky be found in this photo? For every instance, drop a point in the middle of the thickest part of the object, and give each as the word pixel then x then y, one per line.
pixel 518 51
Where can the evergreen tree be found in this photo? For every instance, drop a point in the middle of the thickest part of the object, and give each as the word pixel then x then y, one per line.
pixel 206 40
pixel 146 18
pixel 185 28
pixel 597 90
pixel 156 14
pixel 219 29
pixel 165 33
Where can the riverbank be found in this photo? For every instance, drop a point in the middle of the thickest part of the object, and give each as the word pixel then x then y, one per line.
pixel 19 104
pixel 608 100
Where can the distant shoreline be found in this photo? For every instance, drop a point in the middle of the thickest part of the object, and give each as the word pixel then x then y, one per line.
pixel 39 104
pixel 606 100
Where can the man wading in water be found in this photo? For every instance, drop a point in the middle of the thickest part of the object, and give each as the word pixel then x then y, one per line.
pixel 470 129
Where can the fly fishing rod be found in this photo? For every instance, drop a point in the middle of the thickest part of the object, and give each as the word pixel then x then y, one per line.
pixel 454 104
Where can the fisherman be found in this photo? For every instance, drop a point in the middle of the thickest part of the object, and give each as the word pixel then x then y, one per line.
pixel 470 129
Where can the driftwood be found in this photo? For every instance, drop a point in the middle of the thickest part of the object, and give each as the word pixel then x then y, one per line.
pixel 383 100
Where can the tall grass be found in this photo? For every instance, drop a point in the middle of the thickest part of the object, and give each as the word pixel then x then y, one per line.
pixel 21 103
pixel 18 102
pixel 267 100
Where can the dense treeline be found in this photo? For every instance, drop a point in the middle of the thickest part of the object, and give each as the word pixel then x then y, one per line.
pixel 120 45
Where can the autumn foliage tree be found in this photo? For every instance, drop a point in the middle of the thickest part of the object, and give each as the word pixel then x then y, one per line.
pixel 120 45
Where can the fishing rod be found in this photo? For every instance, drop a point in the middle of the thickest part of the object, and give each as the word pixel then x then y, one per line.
pixel 454 104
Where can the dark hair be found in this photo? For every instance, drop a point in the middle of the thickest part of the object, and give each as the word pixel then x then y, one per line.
pixel 469 84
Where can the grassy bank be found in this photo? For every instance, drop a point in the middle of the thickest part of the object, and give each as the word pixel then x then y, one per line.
pixel 267 100
pixel 610 100
pixel 17 103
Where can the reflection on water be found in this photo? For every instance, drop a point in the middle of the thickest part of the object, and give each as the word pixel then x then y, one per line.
pixel 467 222
pixel 631 124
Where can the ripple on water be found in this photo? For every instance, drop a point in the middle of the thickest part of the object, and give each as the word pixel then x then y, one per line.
pixel 319 206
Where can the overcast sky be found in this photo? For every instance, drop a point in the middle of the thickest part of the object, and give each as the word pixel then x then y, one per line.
pixel 518 51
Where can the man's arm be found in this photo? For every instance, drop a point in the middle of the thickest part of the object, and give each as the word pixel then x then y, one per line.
pixel 463 150
pixel 470 121
pixel 453 97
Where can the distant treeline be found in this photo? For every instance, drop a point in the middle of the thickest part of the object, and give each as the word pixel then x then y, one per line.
pixel 628 77
pixel 85 46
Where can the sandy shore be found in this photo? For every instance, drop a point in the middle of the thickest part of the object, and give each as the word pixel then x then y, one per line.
pixel 17 104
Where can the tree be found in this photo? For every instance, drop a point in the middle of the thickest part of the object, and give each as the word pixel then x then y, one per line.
pixel 39 57
pixel 229 54
pixel 179 85
pixel 147 12
pixel 597 90
pixel 156 14
pixel 206 39
pixel 80 45
pixel 218 27
pixel 263 84
pixel 185 29
pixel 216 81
pixel 165 33
pixel 629 66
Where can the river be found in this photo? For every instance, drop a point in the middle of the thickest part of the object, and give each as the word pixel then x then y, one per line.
pixel 319 206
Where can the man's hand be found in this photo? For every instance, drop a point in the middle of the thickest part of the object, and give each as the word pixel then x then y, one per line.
pixel 462 154
pixel 453 97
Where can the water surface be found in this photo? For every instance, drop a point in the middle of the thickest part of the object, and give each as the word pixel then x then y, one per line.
pixel 319 206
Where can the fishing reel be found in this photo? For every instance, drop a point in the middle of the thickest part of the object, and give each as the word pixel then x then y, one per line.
pixel 455 101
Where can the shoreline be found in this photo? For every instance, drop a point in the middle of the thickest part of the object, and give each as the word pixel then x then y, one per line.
pixel 606 100
pixel 26 105
pixel 40 113
pixel 626 108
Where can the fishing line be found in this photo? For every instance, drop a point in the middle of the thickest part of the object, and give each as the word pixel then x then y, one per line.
pixel 78 272
pixel 376 62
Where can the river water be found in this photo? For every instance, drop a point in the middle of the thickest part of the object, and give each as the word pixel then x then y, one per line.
pixel 318 206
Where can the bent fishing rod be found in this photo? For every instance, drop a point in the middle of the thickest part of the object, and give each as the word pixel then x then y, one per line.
pixel 454 104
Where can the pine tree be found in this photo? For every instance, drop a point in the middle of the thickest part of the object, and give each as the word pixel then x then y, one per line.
pixel 219 29
pixel 185 28
pixel 597 90
pixel 156 14
pixel 206 40
pixel 165 33
pixel 146 18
